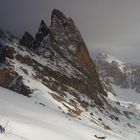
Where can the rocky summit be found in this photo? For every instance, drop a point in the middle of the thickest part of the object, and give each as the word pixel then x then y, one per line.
pixel 28 41
pixel 57 57
pixel 42 32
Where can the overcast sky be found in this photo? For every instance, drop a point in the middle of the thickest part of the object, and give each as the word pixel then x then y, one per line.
pixel 110 26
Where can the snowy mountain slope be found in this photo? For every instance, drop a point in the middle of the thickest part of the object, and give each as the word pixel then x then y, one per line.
pixel 128 101
pixel 123 89
pixel 115 71
pixel 111 59
pixel 28 120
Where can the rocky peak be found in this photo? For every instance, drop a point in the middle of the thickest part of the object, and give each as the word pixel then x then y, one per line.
pixel 66 39
pixel 66 63
pixel 28 41
pixel 59 15
pixel 42 32
pixel 65 29
pixel 65 33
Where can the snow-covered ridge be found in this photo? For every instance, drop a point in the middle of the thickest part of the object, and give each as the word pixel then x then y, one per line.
pixel 111 59
pixel 120 73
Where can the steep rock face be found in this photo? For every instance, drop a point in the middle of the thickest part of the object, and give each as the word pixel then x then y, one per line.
pixel 42 32
pixel 61 62
pixel 2 54
pixel 122 74
pixel 70 37
pixel 67 41
pixel 28 41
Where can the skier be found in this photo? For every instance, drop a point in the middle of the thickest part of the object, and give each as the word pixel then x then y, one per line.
pixel 2 129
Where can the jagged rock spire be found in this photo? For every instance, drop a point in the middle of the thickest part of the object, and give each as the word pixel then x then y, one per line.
pixel 58 14
pixel 66 39
pixel 63 25
pixel 42 32
pixel 28 41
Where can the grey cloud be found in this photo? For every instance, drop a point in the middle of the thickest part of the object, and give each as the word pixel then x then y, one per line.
pixel 111 26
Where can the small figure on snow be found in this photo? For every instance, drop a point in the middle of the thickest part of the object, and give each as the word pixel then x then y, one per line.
pixel 2 129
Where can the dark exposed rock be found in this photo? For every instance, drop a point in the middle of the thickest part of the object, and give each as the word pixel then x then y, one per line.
pixel 9 52
pixel 11 80
pixel 42 32
pixel 66 40
pixel 2 54
pixel 28 41
pixel 100 137
pixel 59 15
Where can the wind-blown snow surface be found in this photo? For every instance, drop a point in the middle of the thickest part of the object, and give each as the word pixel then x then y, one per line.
pixel 26 119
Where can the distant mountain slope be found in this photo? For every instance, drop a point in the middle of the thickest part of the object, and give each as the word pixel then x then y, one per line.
pixel 123 74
